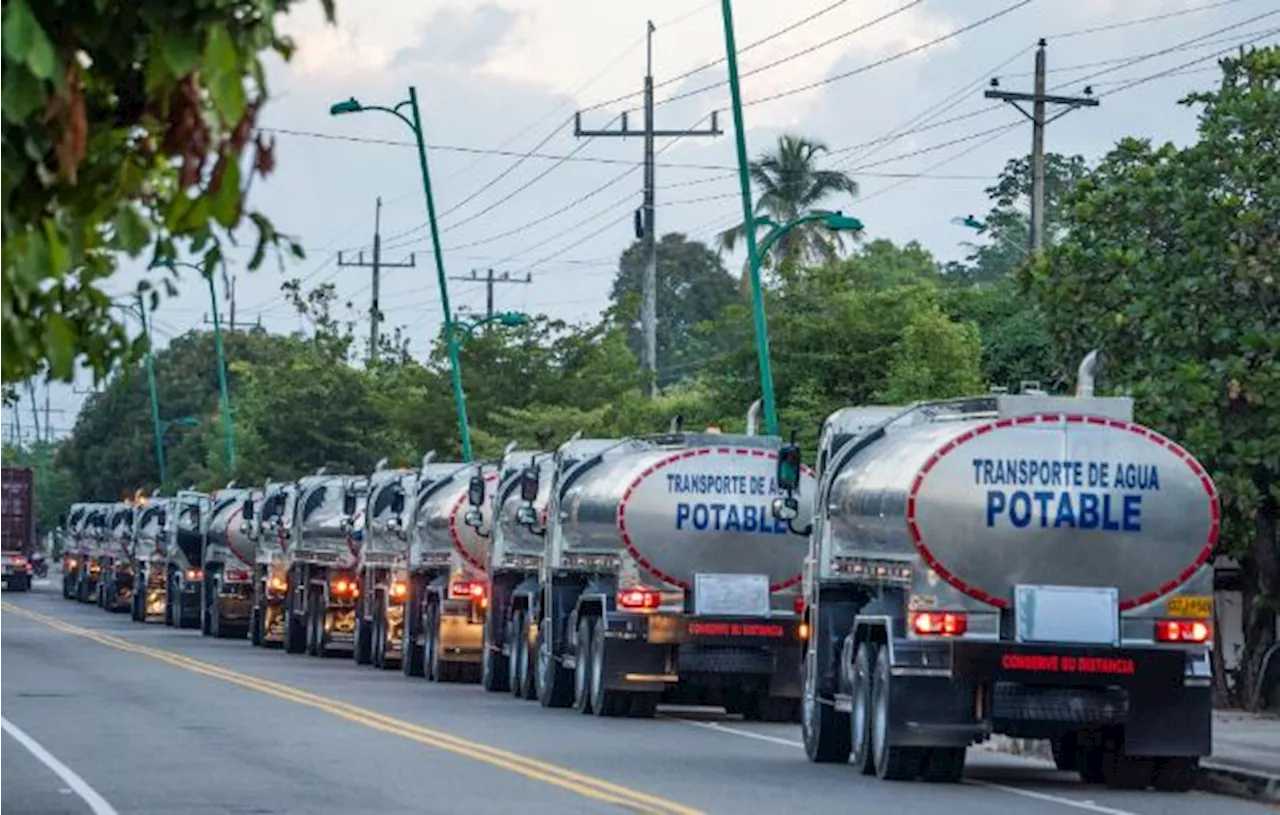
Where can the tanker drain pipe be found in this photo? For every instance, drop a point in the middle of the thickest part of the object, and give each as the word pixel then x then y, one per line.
pixel 1085 375
pixel 753 417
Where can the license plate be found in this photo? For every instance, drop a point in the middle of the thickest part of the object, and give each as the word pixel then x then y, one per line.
pixel 1193 606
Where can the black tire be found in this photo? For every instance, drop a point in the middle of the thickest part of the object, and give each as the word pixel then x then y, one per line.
pixel 1176 773
pixel 944 765
pixel 605 702
pixel 860 715
pixel 555 686
pixel 892 763
pixel 1120 770
pixel 1064 751
pixel 362 651
pixel 495 672
pixel 170 612
pixel 518 661
pixel 1089 756
pixel 411 656
pixel 825 730
pixel 582 671
pixel 255 626
pixel 138 602
pixel 431 643
pixel 295 632
pixel 208 599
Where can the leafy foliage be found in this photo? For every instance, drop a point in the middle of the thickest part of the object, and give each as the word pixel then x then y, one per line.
pixel 127 127
pixel 1170 266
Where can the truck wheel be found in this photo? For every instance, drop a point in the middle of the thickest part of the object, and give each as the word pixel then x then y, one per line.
pixel 944 765
pixel 101 595
pixel 584 666
pixel 518 662
pixel 295 632
pixel 430 647
pixel 604 702
pixel 554 688
pixel 379 644
pixel 825 730
pixel 411 657
pixel 892 763
pixel 255 626
pixel 1121 771
pixel 860 717
pixel 363 650
pixel 1064 751
pixel 495 675
pixel 1176 773
pixel 138 603
pixel 169 617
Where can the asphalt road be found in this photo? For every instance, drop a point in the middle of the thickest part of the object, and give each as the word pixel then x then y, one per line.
pixel 155 720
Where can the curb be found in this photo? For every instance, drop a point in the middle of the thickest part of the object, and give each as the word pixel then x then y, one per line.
pixel 1215 776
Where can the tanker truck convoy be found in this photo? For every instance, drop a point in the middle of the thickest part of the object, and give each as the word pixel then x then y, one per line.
pixel 383 552
pixel 515 557
pixel 321 558
pixel 147 599
pixel 445 573
pixel 91 544
pixel 665 578
pixel 116 568
pixel 269 523
pixel 182 576
pixel 226 587
pixel 1028 565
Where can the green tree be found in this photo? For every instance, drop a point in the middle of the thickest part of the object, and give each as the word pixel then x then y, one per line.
pixel 935 358
pixel 1015 339
pixel 693 287
pixel 790 184
pixel 127 127
pixel 1170 267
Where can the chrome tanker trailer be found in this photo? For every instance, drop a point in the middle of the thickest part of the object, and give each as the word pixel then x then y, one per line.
pixel 182 577
pixel 321 559
pixel 515 557
pixel 269 525
pixel 115 578
pixel 448 553
pixel 383 553
pixel 92 543
pixel 667 578
pixel 147 597
pixel 227 563
pixel 73 547
pixel 1028 565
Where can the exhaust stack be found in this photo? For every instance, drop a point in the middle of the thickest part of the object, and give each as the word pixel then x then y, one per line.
pixel 1086 373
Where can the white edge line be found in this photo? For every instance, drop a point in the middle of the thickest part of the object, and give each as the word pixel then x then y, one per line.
pixel 1040 796
pixel 78 785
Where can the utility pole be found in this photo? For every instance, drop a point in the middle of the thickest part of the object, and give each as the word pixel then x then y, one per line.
pixel 646 226
pixel 375 316
pixel 230 321
pixel 1039 100
pixel 491 280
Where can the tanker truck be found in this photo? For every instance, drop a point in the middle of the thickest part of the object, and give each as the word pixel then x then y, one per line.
pixel 448 552
pixel 269 525
pixel 181 577
pixel 321 558
pixel 147 598
pixel 92 543
pixel 1029 565
pixel 665 578
pixel 383 552
pixel 226 589
pixel 115 576
pixel 515 556
pixel 72 532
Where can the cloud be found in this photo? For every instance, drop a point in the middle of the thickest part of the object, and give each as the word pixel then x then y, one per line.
pixel 464 38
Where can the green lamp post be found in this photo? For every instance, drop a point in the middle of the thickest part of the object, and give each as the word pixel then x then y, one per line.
pixel 507 319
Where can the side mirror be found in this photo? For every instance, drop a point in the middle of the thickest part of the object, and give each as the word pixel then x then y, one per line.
pixel 475 492
pixel 473 518
pixel 246 511
pixel 529 484
pixel 397 502
pixel 526 516
pixel 349 503
pixel 788 476
pixel 62 521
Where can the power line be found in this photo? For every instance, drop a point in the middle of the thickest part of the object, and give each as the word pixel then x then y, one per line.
pixel 1113 26
pixel 1176 69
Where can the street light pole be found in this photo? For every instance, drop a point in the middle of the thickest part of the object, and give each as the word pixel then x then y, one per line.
pixel 455 368
pixel 835 221
pixel 753 255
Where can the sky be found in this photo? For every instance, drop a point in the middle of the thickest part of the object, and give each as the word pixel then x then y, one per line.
pixel 893 87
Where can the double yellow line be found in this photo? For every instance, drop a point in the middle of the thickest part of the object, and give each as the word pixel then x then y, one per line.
pixel 588 786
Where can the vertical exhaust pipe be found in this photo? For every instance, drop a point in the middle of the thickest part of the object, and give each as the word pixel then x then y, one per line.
pixel 753 417
pixel 1086 373
pixel 677 424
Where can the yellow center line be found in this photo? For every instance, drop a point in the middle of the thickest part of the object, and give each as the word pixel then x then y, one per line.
pixel 562 777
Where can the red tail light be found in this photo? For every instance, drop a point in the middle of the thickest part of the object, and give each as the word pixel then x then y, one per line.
pixel 468 588
pixel 799 604
pixel 194 574
pixel 237 574
pixel 939 623
pixel 348 587
pixel 639 599
pixel 71 563
pixel 399 590
pixel 1182 631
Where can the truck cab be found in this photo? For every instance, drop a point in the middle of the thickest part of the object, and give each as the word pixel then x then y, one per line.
pixel 270 526
pixel 183 577
pixel 227 563
pixel 383 554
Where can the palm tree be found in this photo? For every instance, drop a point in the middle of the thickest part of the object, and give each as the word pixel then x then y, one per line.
pixel 791 185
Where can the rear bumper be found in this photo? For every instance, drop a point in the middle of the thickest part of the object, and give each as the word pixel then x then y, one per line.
pixel 653 652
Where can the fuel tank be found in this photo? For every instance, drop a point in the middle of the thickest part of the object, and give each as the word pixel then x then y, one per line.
pixel 439 535
pixel 328 509
pixel 386 541
pixel 229 538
